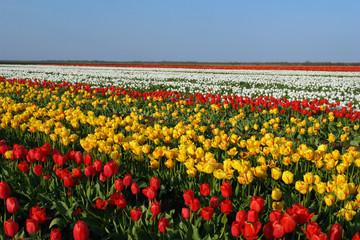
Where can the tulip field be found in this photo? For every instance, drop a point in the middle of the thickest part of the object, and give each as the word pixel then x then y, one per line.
pixel 179 152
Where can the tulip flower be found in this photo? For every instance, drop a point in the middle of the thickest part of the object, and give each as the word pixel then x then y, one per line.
pixel 268 231
pixel 38 170
pixel 207 213
pixel 88 159
pixel 301 212
pixel 335 232
pixel 252 216
pixel 205 189
pixel 12 205
pixel 135 214
pixel 257 204
pixel 188 196
pixel 11 228
pixel 135 188
pixel 235 228
pixel 155 209
pixel 163 224
pixel 55 234
pixel 119 186
pixel 278 230
pixel 288 221
pixel 155 183
pixel 23 166
pixel 214 202
pixel 185 213
pixel 97 165
pixel 241 217
pixel 150 192
pixel 38 214
pixel 195 205
pixel 226 189
pixel 250 230
pixel 81 231
pixel 31 226
pixel 226 207
pixel 127 180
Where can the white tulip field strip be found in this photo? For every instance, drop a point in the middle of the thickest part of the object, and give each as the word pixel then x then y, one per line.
pixel 291 84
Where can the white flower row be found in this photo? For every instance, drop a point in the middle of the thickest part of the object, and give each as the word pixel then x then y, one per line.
pixel 292 84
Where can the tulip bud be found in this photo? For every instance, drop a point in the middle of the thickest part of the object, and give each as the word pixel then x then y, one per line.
pixel 205 189
pixel 214 202
pixel 81 231
pixel 163 224
pixel 119 186
pixel 55 234
pixel 276 173
pixel 155 182
pixel 135 214
pixel 135 188
pixel 185 213
pixel 12 204
pixel 31 226
pixel 4 190
pixel 11 228
pixel 127 180
pixel 226 189
pixel 329 200
pixel 276 194
pixel 288 177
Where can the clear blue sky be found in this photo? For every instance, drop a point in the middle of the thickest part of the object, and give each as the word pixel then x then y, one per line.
pixel 181 30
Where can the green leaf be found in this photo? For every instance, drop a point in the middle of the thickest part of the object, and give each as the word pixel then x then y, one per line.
pixel 57 221
pixel 193 233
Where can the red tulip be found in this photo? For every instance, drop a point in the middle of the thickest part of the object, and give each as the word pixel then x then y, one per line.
pixel 135 188
pixel 207 213
pixel 127 180
pixel 319 236
pixel 149 192
pixel 235 229
pixel 68 181
pixel 38 170
pixel 135 214
pixel 268 231
pixel 257 204
pixel 335 232
pixel 89 171
pixel 226 189
pixel 275 216
pixel 11 228
pixel 78 157
pixel 12 204
pixel 88 159
pixel 155 183
pixel 278 229
pixel 23 166
pixel 163 224
pixel 226 207
pixel 250 230
pixel 311 229
pixel 76 172
pixel 252 216
pixel 97 165
pixel 214 202
pixel 302 213
pixel 288 222
pixel 185 213
pixel 31 225
pixel 155 209
pixel 205 189
pixel 195 205
pixel 119 186
pixel 38 214
pixel 241 216
pixel 81 231
pixel 55 234
pixel 110 169
pixel 356 236
pixel 188 196
pixel 102 177
pixel 100 204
